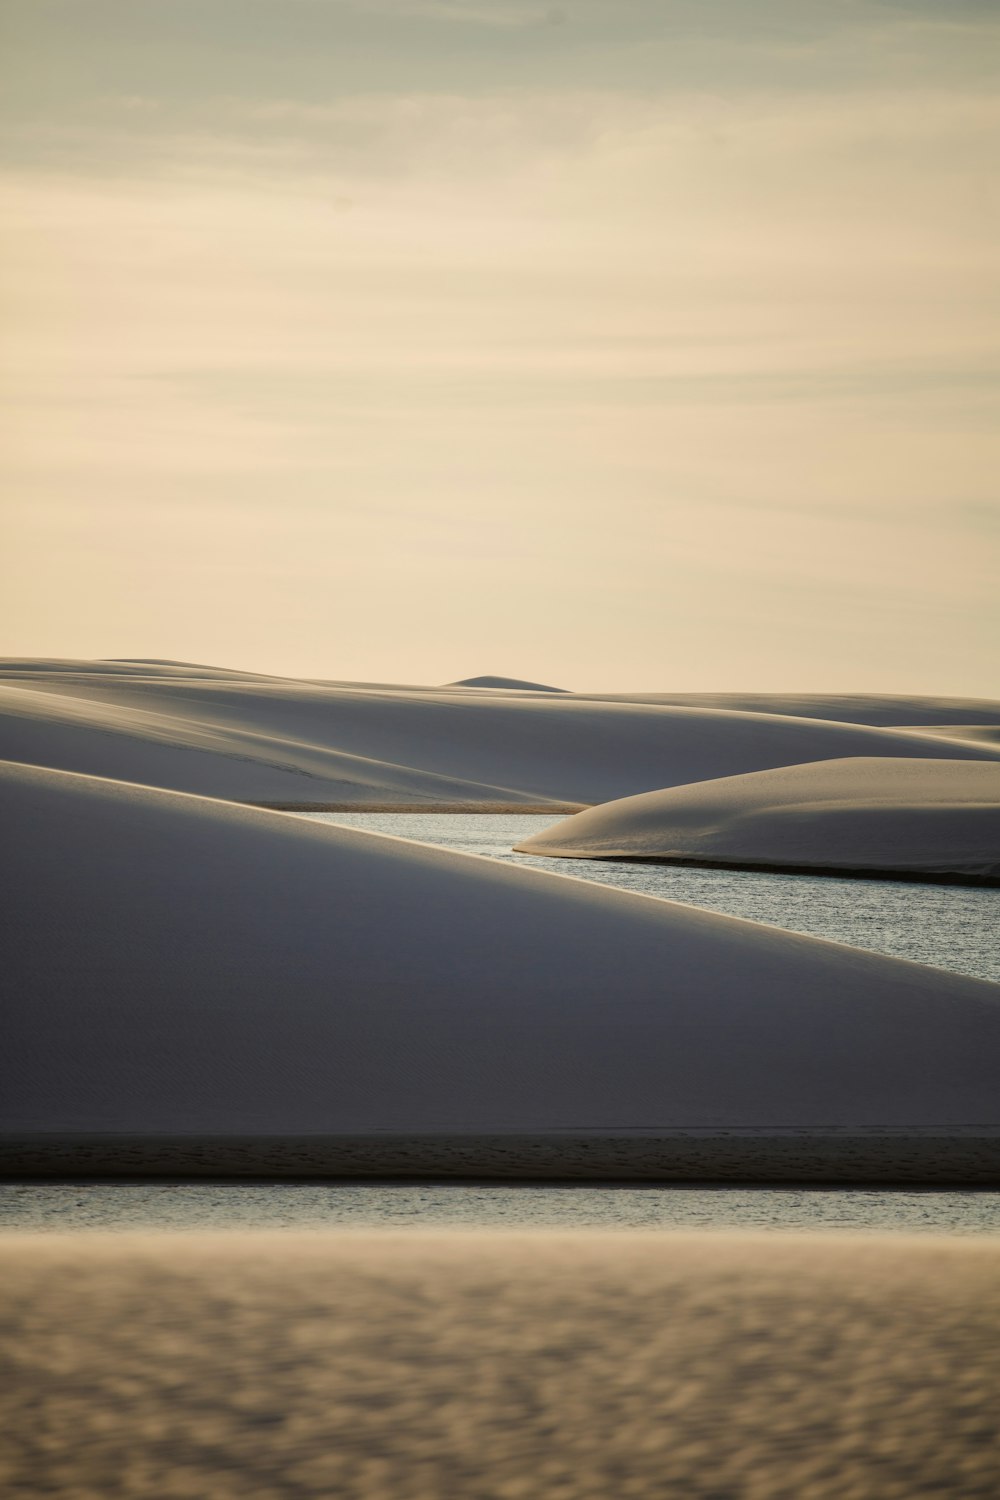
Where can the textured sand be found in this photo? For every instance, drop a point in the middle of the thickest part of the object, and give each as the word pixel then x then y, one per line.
pixel 930 817
pixel 700 1367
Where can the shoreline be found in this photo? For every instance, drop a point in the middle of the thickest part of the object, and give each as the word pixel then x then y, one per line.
pixel 827 872
pixel 957 1158
pixel 567 809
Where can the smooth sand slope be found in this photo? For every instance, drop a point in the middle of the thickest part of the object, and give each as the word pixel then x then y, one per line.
pixel 978 734
pixel 441 1367
pixel 191 970
pixel 908 817
pixel 277 741
pixel 261 747
pixel 883 710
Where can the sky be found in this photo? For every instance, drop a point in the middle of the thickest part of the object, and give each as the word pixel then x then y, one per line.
pixel 617 344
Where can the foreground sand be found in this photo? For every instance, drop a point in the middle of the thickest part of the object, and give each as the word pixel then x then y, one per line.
pixel 499 1365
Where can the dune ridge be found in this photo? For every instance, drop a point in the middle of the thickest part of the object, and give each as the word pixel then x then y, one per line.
pixel 883 710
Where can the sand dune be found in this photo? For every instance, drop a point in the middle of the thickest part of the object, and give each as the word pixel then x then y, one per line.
pixel 440 1367
pixel 514 683
pixel 931 817
pixel 190 968
pixel 274 740
pixel 882 710
pixel 977 734
pixel 119 667
pixel 245 746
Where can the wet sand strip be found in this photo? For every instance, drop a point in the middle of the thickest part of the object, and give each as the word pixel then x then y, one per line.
pixel 955 1158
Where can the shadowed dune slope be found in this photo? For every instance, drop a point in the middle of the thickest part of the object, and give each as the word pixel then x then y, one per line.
pixel 175 964
pixel 450 1366
pixel 922 816
pixel 280 741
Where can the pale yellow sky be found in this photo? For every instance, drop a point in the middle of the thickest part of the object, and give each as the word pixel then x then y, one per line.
pixel 618 345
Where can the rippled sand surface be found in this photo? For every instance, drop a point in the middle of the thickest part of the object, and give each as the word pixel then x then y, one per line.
pixel 478 1364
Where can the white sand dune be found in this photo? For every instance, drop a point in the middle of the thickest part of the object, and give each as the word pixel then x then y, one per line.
pixel 907 816
pixel 282 741
pixel 446 1366
pixel 180 966
pixel 882 710
pixel 244 745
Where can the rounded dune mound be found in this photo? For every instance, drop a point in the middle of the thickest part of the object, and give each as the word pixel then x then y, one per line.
pixel 885 815
pixel 506 682
pixel 189 970
pixel 300 743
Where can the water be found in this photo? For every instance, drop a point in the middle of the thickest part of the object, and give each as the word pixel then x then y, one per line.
pixel 950 926
pixel 302 1205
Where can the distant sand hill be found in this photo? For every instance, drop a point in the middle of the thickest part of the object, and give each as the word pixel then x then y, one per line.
pixel 513 683
pixel 278 741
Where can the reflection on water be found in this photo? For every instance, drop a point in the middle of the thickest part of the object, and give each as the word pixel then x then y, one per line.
pixel 308 1205
pixel 952 927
